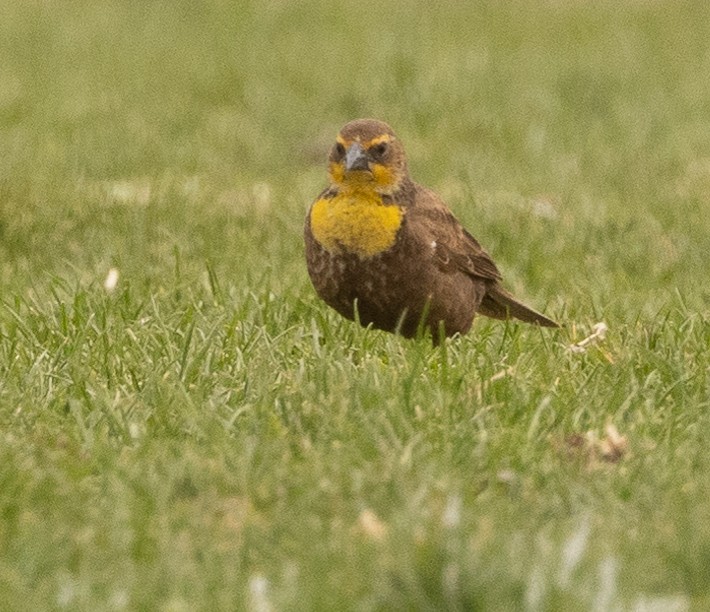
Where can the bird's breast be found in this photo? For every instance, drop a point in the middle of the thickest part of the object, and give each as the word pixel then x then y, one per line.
pixel 357 222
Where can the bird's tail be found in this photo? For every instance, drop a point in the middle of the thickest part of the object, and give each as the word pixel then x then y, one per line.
pixel 500 304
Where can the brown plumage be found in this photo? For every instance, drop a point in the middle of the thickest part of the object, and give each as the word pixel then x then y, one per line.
pixel 388 252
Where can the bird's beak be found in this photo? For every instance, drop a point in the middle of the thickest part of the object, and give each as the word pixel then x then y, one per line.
pixel 355 158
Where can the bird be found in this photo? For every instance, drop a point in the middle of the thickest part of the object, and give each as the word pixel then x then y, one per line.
pixel 388 253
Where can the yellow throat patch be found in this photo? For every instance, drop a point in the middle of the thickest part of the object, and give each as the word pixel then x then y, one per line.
pixel 357 222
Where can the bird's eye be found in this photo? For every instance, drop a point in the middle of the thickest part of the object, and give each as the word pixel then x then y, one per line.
pixel 378 150
pixel 339 150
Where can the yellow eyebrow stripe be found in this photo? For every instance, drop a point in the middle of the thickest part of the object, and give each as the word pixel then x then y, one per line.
pixel 370 143
pixel 377 140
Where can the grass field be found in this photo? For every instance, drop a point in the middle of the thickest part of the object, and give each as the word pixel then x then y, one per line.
pixel 203 434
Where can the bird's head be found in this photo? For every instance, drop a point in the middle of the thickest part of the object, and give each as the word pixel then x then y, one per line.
pixel 367 155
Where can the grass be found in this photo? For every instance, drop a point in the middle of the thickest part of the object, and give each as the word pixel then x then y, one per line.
pixel 208 435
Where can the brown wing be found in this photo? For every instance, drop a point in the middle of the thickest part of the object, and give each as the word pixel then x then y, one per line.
pixel 454 247
pixel 455 250
pixel 473 259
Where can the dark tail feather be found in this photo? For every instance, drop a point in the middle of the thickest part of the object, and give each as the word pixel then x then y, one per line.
pixel 500 304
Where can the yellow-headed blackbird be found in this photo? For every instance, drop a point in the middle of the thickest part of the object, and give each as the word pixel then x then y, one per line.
pixel 387 252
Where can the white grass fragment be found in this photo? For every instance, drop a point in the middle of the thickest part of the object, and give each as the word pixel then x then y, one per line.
pixel 262 197
pixel 67 592
pixel 371 525
pixel 572 553
pixel 614 446
pixel 661 603
pixel 598 333
pixel 111 280
pixel 536 588
pixel 129 191
pixel 135 430
pixel 502 374
pixel 507 476
pixel 258 594
pixel 544 208
pixel 119 600
pixel 606 594
pixel 451 517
